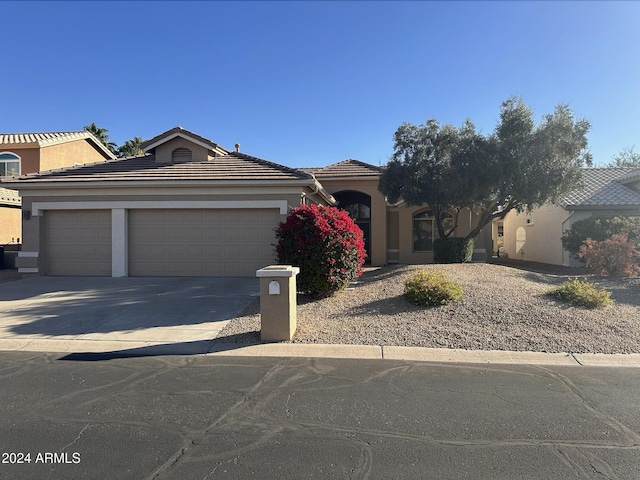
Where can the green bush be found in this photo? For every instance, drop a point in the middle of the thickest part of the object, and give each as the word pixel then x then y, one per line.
pixel 452 250
pixel 430 289
pixel 583 294
pixel 598 230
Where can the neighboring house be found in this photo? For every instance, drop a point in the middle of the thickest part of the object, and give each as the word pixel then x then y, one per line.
pixel 23 153
pixel 536 236
pixel 190 207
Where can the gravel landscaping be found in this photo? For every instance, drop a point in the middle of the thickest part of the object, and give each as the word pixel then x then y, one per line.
pixel 502 308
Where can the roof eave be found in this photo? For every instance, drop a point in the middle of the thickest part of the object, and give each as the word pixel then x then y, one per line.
pixel 603 207
pixel 373 176
pixel 26 185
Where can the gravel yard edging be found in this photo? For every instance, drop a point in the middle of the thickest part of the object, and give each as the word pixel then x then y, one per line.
pixel 502 308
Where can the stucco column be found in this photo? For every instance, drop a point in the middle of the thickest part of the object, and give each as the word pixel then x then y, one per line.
pixel 278 306
pixel 119 242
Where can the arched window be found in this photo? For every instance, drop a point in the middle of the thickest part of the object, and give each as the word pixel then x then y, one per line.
pixel 9 164
pixel 181 155
pixel 423 231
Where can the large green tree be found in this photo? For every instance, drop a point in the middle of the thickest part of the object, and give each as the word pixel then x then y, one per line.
pixel 131 148
pixel 102 134
pixel 521 165
pixel 626 158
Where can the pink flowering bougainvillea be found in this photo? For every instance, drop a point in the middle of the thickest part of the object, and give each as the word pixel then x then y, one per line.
pixel 327 246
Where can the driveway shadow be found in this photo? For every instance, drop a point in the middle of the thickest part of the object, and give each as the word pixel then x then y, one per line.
pixel 200 347
pixel 63 306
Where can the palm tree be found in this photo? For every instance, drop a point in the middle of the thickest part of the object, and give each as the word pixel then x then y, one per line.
pixel 131 148
pixel 101 134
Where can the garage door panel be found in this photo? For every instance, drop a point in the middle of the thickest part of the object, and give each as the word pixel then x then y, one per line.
pixel 78 242
pixel 214 235
pixel 212 242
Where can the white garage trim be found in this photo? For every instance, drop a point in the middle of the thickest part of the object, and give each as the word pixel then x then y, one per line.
pixel 37 207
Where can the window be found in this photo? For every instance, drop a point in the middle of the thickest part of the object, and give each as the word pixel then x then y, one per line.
pixel 9 164
pixel 358 211
pixel 423 232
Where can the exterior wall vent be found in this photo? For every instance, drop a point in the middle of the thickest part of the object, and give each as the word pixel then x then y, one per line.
pixel 181 155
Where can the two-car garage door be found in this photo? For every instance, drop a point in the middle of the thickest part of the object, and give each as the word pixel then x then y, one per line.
pixel 163 242
pixel 224 242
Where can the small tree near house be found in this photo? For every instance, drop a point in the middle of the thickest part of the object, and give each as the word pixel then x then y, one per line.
pixel 327 246
pixel 519 166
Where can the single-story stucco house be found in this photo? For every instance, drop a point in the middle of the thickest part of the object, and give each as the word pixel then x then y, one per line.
pixel 536 235
pixel 190 207
pixel 22 153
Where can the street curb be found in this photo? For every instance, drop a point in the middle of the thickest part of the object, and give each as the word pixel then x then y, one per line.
pixel 364 352
pixel 423 354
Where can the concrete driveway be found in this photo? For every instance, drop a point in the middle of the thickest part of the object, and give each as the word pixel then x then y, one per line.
pixel 151 315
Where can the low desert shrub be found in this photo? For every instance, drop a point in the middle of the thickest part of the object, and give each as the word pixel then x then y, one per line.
pixel 615 256
pixel 582 294
pixel 430 289
pixel 452 250
pixel 327 246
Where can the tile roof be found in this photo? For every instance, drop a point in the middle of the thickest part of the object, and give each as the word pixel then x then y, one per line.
pixel 46 139
pixel 346 168
pixel 233 166
pixel 9 197
pixel 603 187
pixel 179 131
pixel 42 139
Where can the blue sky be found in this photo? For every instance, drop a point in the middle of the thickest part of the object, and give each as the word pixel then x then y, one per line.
pixel 312 83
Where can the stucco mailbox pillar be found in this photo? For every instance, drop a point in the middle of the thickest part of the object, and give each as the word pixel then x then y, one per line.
pixel 277 302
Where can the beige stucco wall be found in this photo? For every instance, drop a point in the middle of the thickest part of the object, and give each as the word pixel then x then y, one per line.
pixel 10 225
pixel 393 235
pixel 540 239
pixel 163 152
pixel 68 154
pixel 378 211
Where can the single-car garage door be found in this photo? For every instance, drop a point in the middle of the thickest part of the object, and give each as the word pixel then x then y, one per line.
pixel 201 242
pixel 78 242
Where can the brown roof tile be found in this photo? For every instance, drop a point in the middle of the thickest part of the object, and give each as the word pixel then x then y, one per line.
pixel 233 166
pixel 347 168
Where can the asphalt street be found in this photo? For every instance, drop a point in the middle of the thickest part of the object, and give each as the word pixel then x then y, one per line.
pixel 205 417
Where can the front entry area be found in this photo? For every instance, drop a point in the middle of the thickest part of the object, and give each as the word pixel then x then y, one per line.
pixel 358 205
